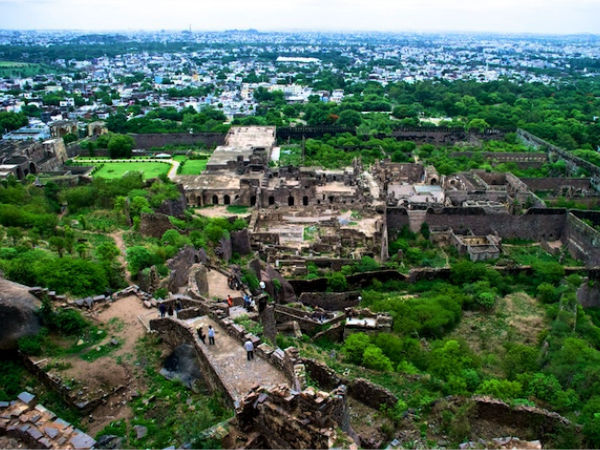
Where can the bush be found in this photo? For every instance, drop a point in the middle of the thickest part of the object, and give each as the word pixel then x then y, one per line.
pixel 354 347
pixel 373 358
pixel 337 282
pixel 547 293
pixel 502 389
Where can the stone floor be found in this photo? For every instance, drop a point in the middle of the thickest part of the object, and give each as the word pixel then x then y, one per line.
pixel 228 357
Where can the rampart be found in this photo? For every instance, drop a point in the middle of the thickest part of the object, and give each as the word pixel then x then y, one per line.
pixel 535 224
pixel 150 140
pixel 176 333
pixel 581 239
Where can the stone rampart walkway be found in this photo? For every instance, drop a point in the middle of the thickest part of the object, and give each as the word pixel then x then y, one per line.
pixel 228 358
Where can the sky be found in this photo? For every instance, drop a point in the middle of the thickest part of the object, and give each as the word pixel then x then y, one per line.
pixel 503 16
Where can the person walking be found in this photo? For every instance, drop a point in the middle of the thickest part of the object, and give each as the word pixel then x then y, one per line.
pixel 178 307
pixel 249 347
pixel 211 335
pixel 170 311
pixel 162 309
pixel 201 335
pixel 229 301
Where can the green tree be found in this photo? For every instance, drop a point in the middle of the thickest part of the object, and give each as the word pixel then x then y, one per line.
pixel 120 146
pixel 373 358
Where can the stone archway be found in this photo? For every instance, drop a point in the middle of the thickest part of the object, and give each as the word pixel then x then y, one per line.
pixel 305 200
pixel 226 200
pixel 215 200
pixel 290 200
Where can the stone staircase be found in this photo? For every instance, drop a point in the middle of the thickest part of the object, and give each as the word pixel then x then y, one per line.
pixel 416 218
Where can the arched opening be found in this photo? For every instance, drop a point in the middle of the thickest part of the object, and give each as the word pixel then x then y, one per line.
pixel 290 201
pixel 271 200
pixel 433 181
pixel 305 200
pixel 226 200
pixel 215 200
pixel 331 199
pixel 25 172
pixel 32 168
pixel 19 173
pixel 253 200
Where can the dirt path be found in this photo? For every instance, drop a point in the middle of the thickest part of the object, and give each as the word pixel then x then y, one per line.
pixel 117 368
pixel 118 238
pixel 228 357
pixel 217 286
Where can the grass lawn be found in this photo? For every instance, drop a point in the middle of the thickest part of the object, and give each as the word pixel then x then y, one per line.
pixel 193 166
pixel 117 170
pixel 15 68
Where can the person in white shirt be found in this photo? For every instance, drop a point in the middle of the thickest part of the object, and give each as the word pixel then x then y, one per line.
pixel 211 335
pixel 249 346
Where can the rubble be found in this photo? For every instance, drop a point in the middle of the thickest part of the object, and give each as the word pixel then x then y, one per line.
pixel 37 427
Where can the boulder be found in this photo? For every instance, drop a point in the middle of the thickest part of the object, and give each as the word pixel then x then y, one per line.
pixel 284 292
pixel 154 224
pixel 223 250
pixel 17 314
pixel 198 280
pixel 174 207
pixel 180 266
pixel 240 242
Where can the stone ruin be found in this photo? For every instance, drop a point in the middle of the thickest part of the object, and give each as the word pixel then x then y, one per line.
pixel 31 424
pixel 283 418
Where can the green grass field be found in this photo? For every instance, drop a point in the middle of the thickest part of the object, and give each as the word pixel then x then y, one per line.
pixel 12 68
pixel 117 170
pixel 193 166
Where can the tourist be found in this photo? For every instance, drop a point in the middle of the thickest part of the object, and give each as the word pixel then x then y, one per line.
pixel 229 301
pixel 247 302
pixel 170 311
pixel 162 309
pixel 262 285
pixel 249 346
pixel 211 335
pixel 252 305
pixel 201 335
pixel 178 307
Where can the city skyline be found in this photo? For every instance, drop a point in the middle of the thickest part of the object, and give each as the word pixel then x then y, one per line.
pixel 494 16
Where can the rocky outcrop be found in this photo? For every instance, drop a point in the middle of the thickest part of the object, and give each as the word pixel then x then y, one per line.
pixel 174 207
pixel 17 314
pixel 198 281
pixel 282 291
pixel 588 294
pixel 180 265
pixel 240 242
pixel 224 250
pixel 154 224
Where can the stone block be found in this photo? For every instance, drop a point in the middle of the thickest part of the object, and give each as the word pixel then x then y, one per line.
pixel 82 441
pixel 27 398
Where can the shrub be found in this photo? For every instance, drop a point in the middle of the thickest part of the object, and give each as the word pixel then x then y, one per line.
pixel 519 358
pixel 373 358
pixel 355 346
pixel 547 293
pixel 543 387
pixel 336 281
pixel 502 389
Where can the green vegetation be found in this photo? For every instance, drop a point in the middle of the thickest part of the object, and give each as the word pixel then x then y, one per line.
pixel 148 170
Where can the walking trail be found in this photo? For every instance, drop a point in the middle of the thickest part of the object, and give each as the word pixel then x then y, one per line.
pixel 218 287
pixel 228 358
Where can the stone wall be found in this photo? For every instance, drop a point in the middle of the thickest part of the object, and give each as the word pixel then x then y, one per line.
pixel 84 404
pixel 360 389
pixel 582 241
pixel 535 224
pixel 330 301
pixel 176 333
pixel 150 140
pixel 289 419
